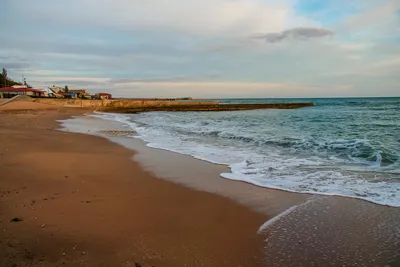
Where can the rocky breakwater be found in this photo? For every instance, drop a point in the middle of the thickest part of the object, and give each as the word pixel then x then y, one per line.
pixel 193 106
pixel 134 106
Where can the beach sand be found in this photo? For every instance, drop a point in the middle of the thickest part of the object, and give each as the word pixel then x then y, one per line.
pixel 25 105
pixel 84 202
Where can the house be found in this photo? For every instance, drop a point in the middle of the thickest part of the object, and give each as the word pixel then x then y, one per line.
pixel 9 92
pixel 66 95
pixel 49 93
pixel 56 89
pixel 103 96
pixel 81 93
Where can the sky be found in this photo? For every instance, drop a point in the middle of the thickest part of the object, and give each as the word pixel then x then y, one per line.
pixel 205 48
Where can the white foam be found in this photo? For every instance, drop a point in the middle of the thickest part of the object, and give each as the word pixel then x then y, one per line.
pixel 275 219
pixel 271 169
pixel 281 215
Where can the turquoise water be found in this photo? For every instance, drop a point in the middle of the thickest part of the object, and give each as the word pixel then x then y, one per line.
pixel 365 130
pixel 348 147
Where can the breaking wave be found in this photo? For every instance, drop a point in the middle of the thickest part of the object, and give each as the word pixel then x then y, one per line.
pixel 341 147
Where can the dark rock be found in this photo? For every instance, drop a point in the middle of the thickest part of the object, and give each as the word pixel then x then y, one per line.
pixel 137 264
pixel 16 219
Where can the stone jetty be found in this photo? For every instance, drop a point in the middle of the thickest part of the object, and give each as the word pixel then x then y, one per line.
pixel 134 106
pixel 205 107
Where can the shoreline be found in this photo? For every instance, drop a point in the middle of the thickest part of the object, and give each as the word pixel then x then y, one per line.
pixel 82 207
pixel 290 236
pixel 227 173
pixel 322 217
pixel 204 175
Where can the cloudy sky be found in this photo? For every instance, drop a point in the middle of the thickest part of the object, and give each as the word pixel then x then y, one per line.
pixel 205 48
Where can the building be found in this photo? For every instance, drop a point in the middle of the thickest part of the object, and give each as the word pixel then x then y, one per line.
pixel 66 95
pixel 81 93
pixel 56 89
pixel 19 86
pixel 8 92
pixel 103 96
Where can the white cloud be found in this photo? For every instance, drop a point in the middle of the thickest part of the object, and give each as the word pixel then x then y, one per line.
pixel 147 40
pixel 203 89
pixel 354 47
pixel 244 89
pixel 205 17
pixel 375 19
pixel 386 68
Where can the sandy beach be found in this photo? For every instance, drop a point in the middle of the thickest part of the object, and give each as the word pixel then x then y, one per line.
pixel 82 201
pixel 104 199
pixel 229 133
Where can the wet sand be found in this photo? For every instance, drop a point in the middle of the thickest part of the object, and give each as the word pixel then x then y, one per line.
pixel 109 211
pixel 84 202
pixel 305 229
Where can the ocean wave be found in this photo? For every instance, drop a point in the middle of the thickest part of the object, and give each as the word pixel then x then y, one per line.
pixel 360 151
pixel 319 151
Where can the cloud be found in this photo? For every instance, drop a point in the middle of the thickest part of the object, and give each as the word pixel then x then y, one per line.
pixel 193 17
pixel 76 84
pixel 172 87
pixel 195 89
pixel 177 79
pixel 381 15
pixel 294 34
pixel 13 62
pixel 386 68
pixel 15 65
pixel 153 48
pixel 231 89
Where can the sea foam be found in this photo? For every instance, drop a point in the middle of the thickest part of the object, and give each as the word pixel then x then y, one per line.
pixel 260 147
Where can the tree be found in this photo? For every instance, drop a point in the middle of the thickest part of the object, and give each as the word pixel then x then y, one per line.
pixel 4 73
pixel 66 89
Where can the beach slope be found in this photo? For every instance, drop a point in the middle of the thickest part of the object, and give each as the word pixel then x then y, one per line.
pixel 76 200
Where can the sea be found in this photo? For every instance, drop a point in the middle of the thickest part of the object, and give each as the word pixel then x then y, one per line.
pixel 343 146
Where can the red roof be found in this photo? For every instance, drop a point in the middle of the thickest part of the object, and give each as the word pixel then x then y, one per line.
pixel 12 89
